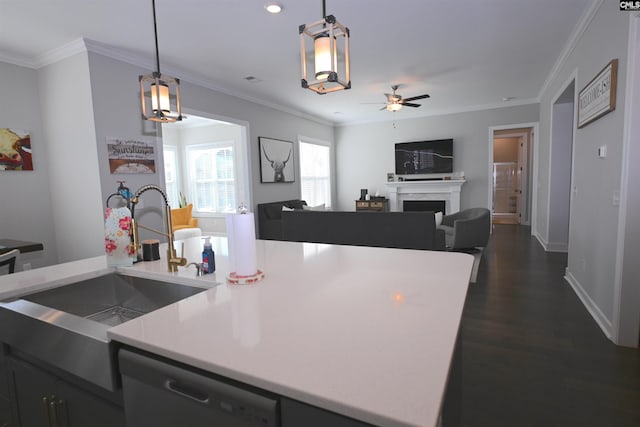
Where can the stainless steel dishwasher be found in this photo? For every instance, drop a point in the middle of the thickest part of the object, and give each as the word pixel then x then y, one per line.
pixel 158 393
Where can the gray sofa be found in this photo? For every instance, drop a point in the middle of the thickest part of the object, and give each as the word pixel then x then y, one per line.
pixel 406 230
pixel 270 218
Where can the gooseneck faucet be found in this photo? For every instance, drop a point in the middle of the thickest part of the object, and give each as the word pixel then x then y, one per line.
pixel 173 261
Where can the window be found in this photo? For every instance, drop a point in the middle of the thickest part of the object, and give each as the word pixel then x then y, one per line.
pixel 211 177
pixel 315 173
pixel 171 174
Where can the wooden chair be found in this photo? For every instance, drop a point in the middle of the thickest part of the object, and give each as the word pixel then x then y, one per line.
pixel 9 259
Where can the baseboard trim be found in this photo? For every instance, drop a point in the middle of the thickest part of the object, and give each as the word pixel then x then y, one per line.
pixel 557 247
pixel 590 305
pixel 551 246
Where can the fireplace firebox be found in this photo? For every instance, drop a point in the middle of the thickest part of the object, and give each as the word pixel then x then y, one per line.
pixel 424 206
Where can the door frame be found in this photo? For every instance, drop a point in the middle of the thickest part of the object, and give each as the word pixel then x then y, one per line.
pixel 532 165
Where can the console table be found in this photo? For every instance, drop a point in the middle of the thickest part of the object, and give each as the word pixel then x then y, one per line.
pixel 381 205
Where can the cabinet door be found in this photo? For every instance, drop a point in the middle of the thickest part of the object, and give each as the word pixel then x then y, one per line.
pixel 44 400
pixel 32 386
pixel 294 414
pixel 83 409
pixel 5 408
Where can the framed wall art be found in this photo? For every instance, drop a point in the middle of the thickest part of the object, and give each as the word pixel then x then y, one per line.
pixel 599 96
pixel 128 156
pixel 15 150
pixel 276 160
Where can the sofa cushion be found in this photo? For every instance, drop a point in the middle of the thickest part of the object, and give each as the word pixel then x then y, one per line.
pixel 406 230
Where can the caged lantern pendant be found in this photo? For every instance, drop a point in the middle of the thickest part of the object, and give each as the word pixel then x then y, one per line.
pixel 330 52
pixel 159 93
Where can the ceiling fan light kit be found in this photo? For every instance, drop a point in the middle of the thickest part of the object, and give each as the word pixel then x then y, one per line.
pixel 330 50
pixel 395 102
pixel 159 93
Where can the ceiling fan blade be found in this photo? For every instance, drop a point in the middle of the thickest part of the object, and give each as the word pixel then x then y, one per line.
pixel 408 104
pixel 383 108
pixel 415 98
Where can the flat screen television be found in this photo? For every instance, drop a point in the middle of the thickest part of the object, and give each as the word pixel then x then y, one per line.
pixel 424 157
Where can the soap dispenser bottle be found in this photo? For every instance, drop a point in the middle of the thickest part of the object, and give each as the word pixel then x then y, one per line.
pixel 208 257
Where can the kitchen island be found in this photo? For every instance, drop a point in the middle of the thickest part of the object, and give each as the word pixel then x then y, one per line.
pixel 368 333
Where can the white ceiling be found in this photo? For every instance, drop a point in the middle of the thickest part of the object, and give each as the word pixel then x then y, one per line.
pixel 467 54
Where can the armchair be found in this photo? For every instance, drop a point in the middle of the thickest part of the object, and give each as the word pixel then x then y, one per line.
pixel 181 218
pixel 467 229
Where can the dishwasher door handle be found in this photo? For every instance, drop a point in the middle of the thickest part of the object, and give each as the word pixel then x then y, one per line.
pixel 187 391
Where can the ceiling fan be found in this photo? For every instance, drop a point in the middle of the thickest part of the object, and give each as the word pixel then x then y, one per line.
pixel 395 102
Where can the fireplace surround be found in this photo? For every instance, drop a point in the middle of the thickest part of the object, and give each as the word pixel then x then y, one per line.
pixel 435 190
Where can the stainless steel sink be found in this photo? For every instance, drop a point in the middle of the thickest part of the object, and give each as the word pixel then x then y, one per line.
pixel 67 326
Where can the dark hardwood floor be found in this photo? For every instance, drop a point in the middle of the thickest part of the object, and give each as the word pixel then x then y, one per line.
pixel 532 354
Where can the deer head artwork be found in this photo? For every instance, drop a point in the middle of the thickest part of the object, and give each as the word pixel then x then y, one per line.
pixel 277 165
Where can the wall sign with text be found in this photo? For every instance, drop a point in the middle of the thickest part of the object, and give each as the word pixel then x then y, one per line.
pixel 599 96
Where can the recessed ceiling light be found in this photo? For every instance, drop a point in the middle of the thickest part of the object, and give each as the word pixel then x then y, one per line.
pixel 508 98
pixel 273 7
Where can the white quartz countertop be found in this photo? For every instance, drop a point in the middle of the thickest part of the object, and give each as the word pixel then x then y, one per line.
pixel 365 332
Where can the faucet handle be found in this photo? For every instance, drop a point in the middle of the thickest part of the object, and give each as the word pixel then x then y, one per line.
pixel 199 268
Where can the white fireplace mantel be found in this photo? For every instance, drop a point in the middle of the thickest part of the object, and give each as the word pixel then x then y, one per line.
pixel 447 190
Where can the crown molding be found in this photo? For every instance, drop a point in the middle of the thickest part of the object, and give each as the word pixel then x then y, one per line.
pixel 445 112
pixel 571 44
pixel 19 60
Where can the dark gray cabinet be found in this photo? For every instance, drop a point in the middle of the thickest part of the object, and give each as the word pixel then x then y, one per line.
pixel 44 400
pixel 5 407
pixel 294 414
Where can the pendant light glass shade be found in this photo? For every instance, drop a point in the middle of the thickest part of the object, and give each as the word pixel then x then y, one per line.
pixel 160 97
pixel 159 93
pixel 322 49
pixel 328 60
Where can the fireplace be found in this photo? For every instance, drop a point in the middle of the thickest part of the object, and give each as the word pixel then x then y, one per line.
pixel 447 190
pixel 424 206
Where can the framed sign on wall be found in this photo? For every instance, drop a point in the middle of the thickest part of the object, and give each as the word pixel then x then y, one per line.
pixel 599 96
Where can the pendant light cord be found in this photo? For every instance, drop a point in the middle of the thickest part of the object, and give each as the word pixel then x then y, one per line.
pixel 324 9
pixel 155 33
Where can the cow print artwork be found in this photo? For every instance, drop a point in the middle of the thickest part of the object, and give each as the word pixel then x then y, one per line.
pixel 15 150
pixel 276 160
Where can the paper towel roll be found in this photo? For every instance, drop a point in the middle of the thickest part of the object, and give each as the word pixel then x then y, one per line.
pixel 241 238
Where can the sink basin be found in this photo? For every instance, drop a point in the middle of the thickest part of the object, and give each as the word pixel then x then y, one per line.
pixel 67 326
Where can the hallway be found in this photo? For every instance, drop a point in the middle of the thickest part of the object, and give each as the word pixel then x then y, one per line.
pixel 532 354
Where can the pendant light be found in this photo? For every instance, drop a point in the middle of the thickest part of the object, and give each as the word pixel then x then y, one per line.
pixel 159 93
pixel 327 34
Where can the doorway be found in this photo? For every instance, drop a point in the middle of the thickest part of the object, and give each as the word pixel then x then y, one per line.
pixel 510 175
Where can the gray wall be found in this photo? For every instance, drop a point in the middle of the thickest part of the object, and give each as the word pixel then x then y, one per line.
pixel 67 123
pixel 593 234
pixel 560 191
pixel 629 298
pixel 25 210
pixel 365 152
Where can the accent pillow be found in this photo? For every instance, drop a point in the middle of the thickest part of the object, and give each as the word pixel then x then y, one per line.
pixel 287 209
pixel 314 208
pixel 438 218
